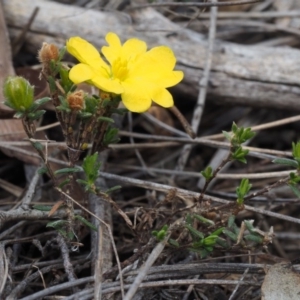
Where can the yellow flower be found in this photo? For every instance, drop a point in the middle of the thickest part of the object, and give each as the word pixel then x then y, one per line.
pixel 140 76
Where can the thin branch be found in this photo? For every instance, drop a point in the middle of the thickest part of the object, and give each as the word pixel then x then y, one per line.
pixel 185 153
pixel 184 193
pixel 197 4
pixel 237 286
pixel 145 268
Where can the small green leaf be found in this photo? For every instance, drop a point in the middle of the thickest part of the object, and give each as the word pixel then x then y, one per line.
pixel 173 243
pixel 62 184
pixel 52 84
pixel 85 115
pixel 37 145
pixel 194 232
pixel 39 102
pixel 42 170
pixel 112 189
pixel 106 119
pixel 242 190
pixel 86 222
pixel 230 234
pixel 120 111
pixel 204 220
pixel 286 162
pixel 67 170
pixel 42 207
pixel 210 240
pixel 189 219
pixel 296 150
pixel 111 136
pixel 65 82
pixel 222 242
pixel 61 53
pixel 227 135
pixel 231 220
pixel 91 167
pixel 249 225
pixel 254 238
pixel 19 115
pixel 36 115
pixel 56 224
pixel 295 190
pixel 207 173
pixel 218 231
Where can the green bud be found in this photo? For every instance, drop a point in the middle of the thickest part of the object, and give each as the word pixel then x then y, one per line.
pixel 18 93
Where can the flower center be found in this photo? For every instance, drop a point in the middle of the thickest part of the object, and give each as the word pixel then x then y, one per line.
pixel 119 69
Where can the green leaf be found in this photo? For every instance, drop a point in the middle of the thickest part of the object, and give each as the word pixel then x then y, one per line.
pixel 120 111
pixel 222 242
pixel 295 190
pixel 52 84
pixel 91 104
pixel 204 220
pixel 202 252
pixel 254 238
pixel 65 82
pixel 106 119
pixel 234 127
pixel 242 190
pixel 207 173
pixel 19 115
pixel 111 136
pixel 227 135
pixel 42 170
pixel 296 150
pixel 230 234
pixel 231 220
pixel 61 53
pixel 173 243
pixel 40 102
pixel 249 225
pixel 239 154
pixel 194 232
pixel 112 189
pixel 81 181
pixel 67 170
pixel 189 219
pixel 42 207
pixel 86 222
pixel 285 161
pixel 91 166
pixel 37 145
pixel 56 224
pixel 210 240
pixel 62 184
pixel 36 115
pixel 218 231
pixel 85 115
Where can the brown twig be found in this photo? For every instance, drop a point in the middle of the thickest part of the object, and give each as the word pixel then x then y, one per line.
pixel 196 4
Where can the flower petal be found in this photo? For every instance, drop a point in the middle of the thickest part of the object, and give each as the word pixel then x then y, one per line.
pixel 162 97
pixel 107 84
pixel 113 51
pixel 136 98
pixel 82 50
pixel 81 73
pixel 132 48
pixel 159 77
pixel 157 59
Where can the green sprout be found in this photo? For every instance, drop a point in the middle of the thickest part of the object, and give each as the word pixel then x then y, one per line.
pixel 160 234
pixel 242 190
pixel 207 173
